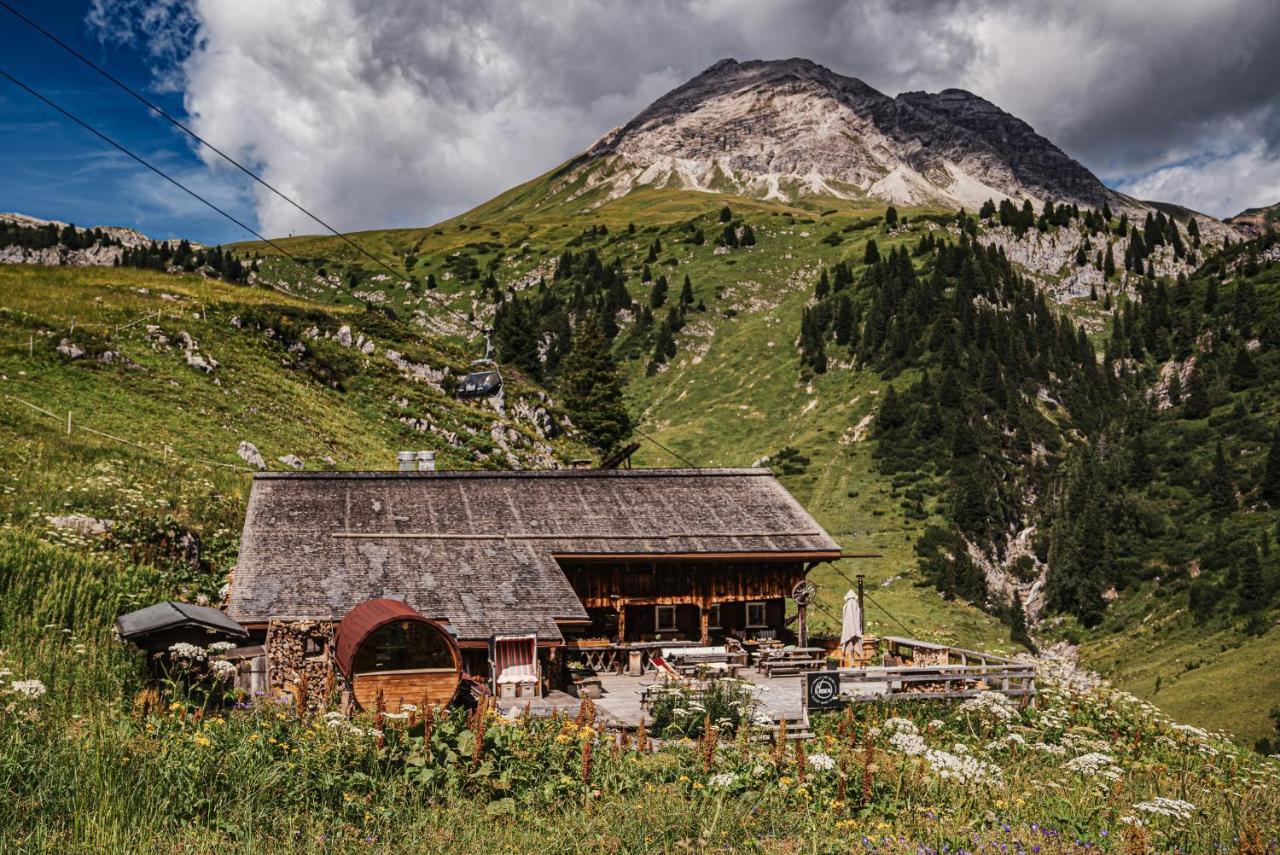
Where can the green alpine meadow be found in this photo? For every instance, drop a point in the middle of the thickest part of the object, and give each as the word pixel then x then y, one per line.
pixel 794 468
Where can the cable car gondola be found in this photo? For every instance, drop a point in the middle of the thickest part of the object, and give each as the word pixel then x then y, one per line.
pixel 483 379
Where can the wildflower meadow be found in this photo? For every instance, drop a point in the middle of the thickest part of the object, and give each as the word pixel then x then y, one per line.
pixel 90 762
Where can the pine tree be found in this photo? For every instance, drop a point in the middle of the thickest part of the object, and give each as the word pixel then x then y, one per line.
pixel 823 287
pixel 1253 595
pixel 1222 493
pixel 591 387
pixel 686 292
pixel 1018 632
pixel 890 216
pixel 1198 404
pixel 748 236
pixel 1243 372
pixel 1270 486
pixel 658 296
pixel 725 214
pixel 844 325
pixel 873 253
pixel 646 275
pixel 1109 263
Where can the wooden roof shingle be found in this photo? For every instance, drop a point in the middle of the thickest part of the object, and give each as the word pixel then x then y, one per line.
pixel 478 549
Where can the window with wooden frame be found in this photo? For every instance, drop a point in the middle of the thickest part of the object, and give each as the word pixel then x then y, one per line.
pixel 713 616
pixel 756 616
pixel 665 618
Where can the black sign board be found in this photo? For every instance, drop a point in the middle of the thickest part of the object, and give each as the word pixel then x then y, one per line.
pixel 822 690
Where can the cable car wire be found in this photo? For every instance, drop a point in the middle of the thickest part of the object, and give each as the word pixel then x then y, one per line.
pixel 167 177
pixel 164 114
pixel 664 448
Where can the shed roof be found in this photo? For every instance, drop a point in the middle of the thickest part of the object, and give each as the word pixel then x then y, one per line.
pixel 478 549
pixel 171 615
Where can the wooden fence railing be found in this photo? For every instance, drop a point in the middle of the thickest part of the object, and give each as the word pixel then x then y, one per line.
pixel 943 682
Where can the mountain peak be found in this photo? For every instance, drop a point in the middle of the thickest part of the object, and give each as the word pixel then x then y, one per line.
pixel 779 129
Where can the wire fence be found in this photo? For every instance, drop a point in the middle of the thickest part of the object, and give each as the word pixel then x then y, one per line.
pixel 163 451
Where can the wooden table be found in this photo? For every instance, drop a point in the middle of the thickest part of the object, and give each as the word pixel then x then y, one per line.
pixel 791 661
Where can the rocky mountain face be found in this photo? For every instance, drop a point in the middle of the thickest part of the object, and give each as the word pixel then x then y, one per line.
pixel 1255 222
pixel 790 128
pixel 104 251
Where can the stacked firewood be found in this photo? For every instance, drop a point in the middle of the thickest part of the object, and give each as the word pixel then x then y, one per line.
pixel 291 669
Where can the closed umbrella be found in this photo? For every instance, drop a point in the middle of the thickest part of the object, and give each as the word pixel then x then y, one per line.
pixel 851 627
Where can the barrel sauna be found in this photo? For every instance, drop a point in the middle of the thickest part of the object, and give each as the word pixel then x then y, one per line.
pixel 386 645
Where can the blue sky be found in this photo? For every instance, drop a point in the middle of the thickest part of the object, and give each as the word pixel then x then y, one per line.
pixel 56 170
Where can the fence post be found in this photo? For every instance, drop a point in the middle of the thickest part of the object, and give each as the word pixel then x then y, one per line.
pixel 68 423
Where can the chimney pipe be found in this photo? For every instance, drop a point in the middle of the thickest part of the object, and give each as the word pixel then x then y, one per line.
pixel 426 461
pixel 404 461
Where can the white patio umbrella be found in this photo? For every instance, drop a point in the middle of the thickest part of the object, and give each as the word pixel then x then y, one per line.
pixel 851 626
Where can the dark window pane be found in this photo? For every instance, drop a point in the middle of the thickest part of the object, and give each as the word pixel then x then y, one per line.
pixel 402 646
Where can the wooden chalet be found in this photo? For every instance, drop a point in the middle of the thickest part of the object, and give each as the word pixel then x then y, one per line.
pixel 601 561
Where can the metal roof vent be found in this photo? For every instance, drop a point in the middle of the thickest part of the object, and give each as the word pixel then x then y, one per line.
pixel 426 461
pixel 404 460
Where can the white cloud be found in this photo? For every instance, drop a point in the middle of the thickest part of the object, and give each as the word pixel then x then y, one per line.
pixel 1221 185
pixel 381 113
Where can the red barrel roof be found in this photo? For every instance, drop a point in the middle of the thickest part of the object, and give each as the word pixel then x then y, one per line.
pixel 367 618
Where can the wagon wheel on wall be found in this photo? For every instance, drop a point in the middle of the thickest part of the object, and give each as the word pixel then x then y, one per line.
pixel 804 592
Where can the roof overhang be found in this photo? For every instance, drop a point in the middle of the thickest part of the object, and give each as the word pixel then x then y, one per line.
pixel 723 557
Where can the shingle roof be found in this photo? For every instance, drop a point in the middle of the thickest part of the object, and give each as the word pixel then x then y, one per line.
pixel 169 615
pixel 477 548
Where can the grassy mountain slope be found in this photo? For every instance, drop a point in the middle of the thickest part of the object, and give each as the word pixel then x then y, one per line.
pixel 283 382
pixel 735 392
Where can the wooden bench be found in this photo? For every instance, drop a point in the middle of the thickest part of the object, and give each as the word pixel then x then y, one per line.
pixel 791 661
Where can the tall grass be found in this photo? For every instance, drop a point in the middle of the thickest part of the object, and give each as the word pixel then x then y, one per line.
pixel 82 770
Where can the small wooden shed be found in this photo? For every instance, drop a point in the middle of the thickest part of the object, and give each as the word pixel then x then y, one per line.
pixel 386 645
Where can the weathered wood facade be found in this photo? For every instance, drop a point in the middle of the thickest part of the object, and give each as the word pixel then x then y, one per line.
pixel 711 597
pixel 619 555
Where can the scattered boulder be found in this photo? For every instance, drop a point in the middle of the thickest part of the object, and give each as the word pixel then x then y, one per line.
pixel 293 461
pixel 70 349
pixel 249 454
pixel 344 336
pixel 81 524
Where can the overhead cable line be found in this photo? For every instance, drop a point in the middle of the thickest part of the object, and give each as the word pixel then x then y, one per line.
pixel 167 177
pixel 654 441
pixel 164 114
pixel 889 613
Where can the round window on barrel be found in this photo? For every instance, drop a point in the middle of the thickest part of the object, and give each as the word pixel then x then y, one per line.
pixel 386 648
pixel 403 646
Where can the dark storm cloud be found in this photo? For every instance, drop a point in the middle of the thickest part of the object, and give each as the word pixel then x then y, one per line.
pixel 402 112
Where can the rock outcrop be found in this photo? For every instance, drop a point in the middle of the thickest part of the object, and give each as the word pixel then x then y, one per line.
pixel 791 127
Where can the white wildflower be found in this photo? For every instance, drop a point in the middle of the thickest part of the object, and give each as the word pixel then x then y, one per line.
pixel 992 705
pixel 911 744
pixel 182 650
pixel 220 647
pixel 224 670
pixel 723 780
pixel 1175 808
pixel 899 725
pixel 28 688
pixel 964 769
pixel 1095 764
pixel 822 762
